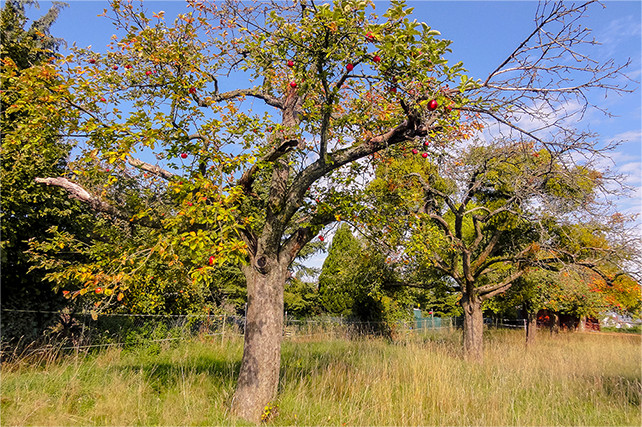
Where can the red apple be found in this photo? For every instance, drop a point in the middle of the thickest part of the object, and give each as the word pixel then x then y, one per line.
pixel 102 99
pixel 349 67
pixel 148 72
pixel 290 63
pixel 393 89
pixel 433 104
pixel 370 37
pixel 115 67
pixel 189 203
pixel 292 84
pixel 376 58
pixel 424 155
pixel 321 238
pixel 426 143
pixel 99 290
pixel 414 151
pixel 183 155
pixel 192 90
pixel 128 66
pixel 211 260
pixel 92 61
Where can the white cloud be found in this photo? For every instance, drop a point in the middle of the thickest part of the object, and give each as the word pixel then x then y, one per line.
pixel 631 168
pixel 632 136
pixel 620 29
pixel 617 32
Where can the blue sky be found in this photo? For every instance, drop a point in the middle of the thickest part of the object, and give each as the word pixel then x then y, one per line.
pixel 483 34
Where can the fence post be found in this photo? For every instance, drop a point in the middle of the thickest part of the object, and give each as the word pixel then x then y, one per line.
pixel 223 329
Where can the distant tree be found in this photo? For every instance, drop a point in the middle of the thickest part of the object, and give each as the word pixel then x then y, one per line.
pixel 301 299
pixel 487 214
pixel 337 291
pixel 358 281
pixel 600 278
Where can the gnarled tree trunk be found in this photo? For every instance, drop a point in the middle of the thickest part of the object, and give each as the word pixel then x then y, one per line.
pixel 473 327
pixel 259 376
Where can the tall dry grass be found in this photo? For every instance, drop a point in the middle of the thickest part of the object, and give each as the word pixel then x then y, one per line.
pixel 565 379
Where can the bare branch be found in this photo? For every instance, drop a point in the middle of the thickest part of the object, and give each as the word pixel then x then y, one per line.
pixel 75 191
pixel 154 169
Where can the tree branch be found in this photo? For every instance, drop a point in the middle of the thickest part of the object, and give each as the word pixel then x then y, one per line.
pixel 75 191
pixel 488 291
pixel 154 169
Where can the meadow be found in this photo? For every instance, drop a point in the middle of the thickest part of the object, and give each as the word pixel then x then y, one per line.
pixel 564 379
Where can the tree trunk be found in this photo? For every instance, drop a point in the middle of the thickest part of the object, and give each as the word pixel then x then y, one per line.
pixel 473 327
pixel 531 327
pixel 582 325
pixel 259 375
pixel 555 324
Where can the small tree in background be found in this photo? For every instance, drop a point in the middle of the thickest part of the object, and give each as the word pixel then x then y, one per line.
pixel 357 281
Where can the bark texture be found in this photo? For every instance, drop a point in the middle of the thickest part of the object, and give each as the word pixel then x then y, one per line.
pixel 259 375
pixel 473 327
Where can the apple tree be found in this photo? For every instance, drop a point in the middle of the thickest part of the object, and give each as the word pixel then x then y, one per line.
pixel 253 171
pixel 257 122
pixel 487 215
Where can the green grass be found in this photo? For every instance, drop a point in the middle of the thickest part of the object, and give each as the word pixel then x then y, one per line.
pixel 565 379
pixel 631 330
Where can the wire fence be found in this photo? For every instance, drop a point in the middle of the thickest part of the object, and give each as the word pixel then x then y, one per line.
pixel 82 331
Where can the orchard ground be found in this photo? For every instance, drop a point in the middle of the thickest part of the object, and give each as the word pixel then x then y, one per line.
pixel 564 379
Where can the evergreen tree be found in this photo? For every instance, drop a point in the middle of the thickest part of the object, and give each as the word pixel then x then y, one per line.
pixel 336 290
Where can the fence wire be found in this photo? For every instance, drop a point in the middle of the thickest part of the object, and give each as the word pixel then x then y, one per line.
pixel 68 330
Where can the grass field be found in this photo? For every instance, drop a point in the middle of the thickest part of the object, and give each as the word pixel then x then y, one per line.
pixel 565 379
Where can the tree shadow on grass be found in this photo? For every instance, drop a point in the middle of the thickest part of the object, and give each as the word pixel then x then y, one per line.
pixel 163 375
pixel 622 389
